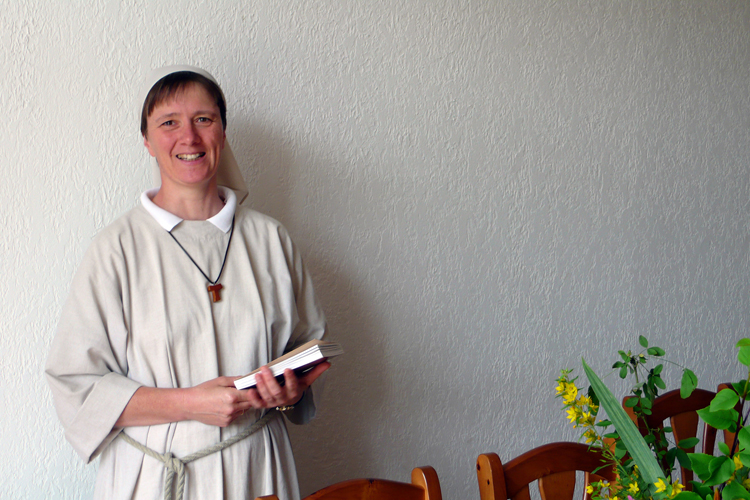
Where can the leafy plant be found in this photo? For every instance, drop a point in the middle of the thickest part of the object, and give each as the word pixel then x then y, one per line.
pixel 645 462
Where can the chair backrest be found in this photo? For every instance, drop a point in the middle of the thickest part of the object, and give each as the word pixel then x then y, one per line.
pixel 552 465
pixel 683 418
pixel 424 486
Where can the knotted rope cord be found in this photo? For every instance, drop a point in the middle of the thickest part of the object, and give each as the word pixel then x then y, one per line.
pixel 176 465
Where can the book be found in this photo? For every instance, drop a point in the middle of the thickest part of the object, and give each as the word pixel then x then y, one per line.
pixel 301 360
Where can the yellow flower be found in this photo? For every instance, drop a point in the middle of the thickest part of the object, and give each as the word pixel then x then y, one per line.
pixel 573 414
pixel 737 462
pixel 591 436
pixel 633 488
pixel 560 388
pixel 746 483
pixel 589 489
pixel 676 488
pixel 571 391
pixel 660 485
pixel 587 420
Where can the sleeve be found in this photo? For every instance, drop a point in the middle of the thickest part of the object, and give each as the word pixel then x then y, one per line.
pixel 310 325
pixel 87 364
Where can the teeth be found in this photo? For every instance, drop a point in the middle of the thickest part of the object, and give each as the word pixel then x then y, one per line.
pixel 190 157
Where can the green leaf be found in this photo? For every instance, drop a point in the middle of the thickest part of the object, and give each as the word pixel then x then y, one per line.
pixel 739 387
pixel 625 356
pixel 700 462
pixel 647 464
pixel 722 419
pixel 624 371
pixel 688 443
pixel 658 369
pixel 687 495
pixel 721 469
pixel 724 400
pixel 744 355
pixel 682 457
pixel 743 342
pixel 644 343
pixel 688 384
pixel 603 423
pixel 744 438
pixel 630 402
pixel 658 382
pixel 733 491
pixel 724 448
pixel 655 351
pixel 702 490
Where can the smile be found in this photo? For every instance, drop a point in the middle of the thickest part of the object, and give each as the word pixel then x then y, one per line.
pixel 191 157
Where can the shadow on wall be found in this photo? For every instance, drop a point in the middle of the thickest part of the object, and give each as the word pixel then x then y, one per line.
pixel 340 443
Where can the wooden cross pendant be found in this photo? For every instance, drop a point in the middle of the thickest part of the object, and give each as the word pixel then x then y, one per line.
pixel 215 291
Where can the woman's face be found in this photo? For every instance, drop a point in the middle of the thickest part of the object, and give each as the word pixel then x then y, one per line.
pixel 186 136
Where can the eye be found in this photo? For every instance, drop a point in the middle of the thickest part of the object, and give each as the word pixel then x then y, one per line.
pixel 203 119
pixel 168 123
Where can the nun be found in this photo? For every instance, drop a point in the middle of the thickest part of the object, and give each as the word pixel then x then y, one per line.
pixel 174 301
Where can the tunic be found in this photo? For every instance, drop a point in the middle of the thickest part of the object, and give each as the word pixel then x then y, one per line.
pixel 139 313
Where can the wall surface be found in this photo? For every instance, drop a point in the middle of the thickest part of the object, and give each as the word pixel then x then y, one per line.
pixel 485 191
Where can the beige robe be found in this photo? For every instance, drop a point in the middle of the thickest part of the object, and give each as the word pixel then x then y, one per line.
pixel 139 314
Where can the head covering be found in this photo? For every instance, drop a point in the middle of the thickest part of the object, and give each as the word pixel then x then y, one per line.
pixel 229 172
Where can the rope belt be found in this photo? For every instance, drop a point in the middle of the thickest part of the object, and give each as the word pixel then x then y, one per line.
pixel 176 465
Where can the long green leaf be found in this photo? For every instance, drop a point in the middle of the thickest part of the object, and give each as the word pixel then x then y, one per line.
pixel 637 447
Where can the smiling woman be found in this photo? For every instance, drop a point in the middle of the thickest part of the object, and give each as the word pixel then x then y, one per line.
pixel 185 134
pixel 148 347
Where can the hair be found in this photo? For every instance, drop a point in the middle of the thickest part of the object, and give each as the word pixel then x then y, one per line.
pixel 171 85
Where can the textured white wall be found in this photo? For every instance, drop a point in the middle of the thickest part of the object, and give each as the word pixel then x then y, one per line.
pixel 485 191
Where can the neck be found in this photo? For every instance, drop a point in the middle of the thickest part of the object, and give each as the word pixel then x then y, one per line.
pixel 198 204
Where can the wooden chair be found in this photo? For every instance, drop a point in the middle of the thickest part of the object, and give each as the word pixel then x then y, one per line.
pixel 683 419
pixel 424 486
pixel 553 466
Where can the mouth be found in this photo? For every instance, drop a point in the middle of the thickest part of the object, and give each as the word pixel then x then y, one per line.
pixel 191 157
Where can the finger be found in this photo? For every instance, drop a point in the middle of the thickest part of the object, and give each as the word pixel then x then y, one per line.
pixel 291 382
pixel 269 388
pixel 255 400
pixel 226 381
pixel 292 387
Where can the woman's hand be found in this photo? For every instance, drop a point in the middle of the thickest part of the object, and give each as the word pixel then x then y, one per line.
pixel 216 402
pixel 268 393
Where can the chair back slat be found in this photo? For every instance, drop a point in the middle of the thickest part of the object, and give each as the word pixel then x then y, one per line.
pixel 523 494
pixel 558 486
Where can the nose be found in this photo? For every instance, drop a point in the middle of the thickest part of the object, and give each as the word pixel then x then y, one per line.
pixel 190 134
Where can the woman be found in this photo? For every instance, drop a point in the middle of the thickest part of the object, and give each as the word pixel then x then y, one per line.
pixel 174 301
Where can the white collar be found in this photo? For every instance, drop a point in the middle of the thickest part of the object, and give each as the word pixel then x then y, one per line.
pixel 168 220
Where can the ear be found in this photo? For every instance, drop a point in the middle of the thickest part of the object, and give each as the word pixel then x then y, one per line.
pixel 148 146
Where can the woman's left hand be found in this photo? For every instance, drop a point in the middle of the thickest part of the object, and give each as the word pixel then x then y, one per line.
pixel 268 393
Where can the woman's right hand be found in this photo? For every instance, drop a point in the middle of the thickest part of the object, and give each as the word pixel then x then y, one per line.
pixel 214 402
pixel 217 402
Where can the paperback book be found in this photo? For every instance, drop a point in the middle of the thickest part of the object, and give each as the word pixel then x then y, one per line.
pixel 301 360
